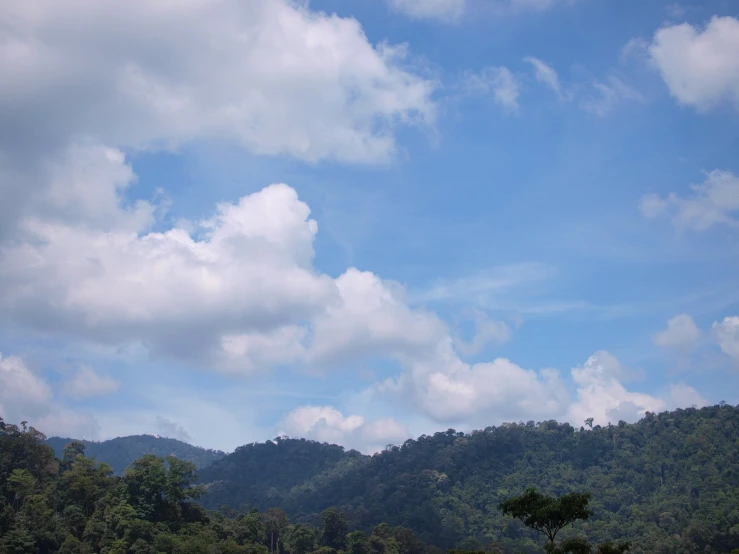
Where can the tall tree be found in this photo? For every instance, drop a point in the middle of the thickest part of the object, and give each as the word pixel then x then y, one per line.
pixel 334 528
pixel 546 514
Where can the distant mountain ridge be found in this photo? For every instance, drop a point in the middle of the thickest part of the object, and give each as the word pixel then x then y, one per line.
pixel 121 452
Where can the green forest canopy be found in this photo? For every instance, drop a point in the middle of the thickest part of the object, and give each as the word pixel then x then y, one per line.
pixel 668 483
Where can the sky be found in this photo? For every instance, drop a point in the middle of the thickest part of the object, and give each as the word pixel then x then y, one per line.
pixel 361 221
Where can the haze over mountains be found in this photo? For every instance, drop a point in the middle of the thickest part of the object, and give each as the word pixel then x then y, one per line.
pixel 121 452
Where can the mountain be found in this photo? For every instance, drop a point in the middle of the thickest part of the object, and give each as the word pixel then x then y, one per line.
pixel 669 482
pixel 121 452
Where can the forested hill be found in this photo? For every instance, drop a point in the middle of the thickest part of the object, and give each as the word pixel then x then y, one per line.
pixel 121 452
pixel 262 474
pixel 669 482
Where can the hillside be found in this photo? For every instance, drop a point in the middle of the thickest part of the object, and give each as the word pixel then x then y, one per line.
pixel 669 482
pixel 262 474
pixel 74 505
pixel 121 452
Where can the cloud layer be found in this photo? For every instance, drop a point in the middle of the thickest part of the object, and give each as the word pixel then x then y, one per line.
pixel 270 75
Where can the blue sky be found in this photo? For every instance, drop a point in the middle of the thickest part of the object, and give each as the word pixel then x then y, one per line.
pixel 363 221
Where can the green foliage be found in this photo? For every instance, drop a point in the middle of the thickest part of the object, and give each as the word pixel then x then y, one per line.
pixel 263 475
pixel 610 548
pixel 122 452
pixel 333 533
pixel 669 483
pixel 77 506
pixel 548 515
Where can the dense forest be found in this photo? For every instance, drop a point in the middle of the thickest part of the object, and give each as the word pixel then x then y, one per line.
pixel 75 505
pixel 121 452
pixel 667 484
pixel 670 482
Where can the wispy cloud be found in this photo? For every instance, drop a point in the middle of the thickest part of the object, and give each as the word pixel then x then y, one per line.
pixel 483 283
pixel 497 82
pixel 713 202
pixel 447 11
pixel 545 74
pixel 608 94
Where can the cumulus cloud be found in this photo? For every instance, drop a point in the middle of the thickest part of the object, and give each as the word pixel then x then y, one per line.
pixel 269 75
pixel 326 424
pixel 699 65
pixel 683 396
pixel 727 336
pixel 372 316
pixel 496 82
pixel 21 390
pixel 26 396
pixel 681 333
pixel 449 390
pixel 239 292
pixel 86 383
pixel 602 396
pixel 253 298
pixel 713 202
pixel 442 10
pixel 249 270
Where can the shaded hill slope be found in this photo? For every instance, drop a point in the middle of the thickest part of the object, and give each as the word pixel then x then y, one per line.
pixel 263 474
pixel 669 482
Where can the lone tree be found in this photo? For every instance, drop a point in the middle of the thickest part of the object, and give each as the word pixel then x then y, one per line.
pixel 546 514
pixel 549 516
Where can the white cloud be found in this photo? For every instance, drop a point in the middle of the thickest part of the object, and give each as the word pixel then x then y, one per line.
pixel 253 299
pixel 637 48
pixel 699 66
pixel 480 286
pixel 21 390
pixel 609 94
pixel 546 74
pixel 681 333
pixel 25 396
pixel 86 383
pixel 602 396
pixel 326 424
pixel 249 271
pixel 442 10
pixel 372 317
pixel 448 390
pixel 486 331
pixel 727 336
pixel 683 396
pixel 713 202
pixel 497 82
pixel 269 75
